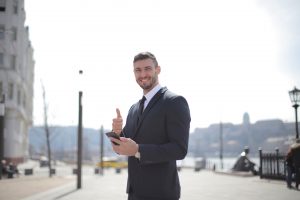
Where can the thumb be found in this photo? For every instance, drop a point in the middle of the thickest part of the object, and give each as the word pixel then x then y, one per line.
pixel 118 113
pixel 124 139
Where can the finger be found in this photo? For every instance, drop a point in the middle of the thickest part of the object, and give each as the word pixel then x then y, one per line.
pixel 115 148
pixel 115 140
pixel 118 121
pixel 118 113
pixel 117 131
pixel 123 139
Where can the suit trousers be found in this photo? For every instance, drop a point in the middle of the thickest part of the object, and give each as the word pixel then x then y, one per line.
pixel 131 196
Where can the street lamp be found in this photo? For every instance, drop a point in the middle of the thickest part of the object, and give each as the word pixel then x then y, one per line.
pixel 295 99
pixel 2 112
pixel 221 145
pixel 101 172
pixel 79 134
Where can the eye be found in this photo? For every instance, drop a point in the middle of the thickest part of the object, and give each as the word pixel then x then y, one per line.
pixel 148 68
pixel 137 70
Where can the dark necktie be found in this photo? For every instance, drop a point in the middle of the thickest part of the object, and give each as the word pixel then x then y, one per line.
pixel 141 108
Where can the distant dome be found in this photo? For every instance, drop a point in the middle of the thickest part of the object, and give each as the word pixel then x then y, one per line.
pixel 246 119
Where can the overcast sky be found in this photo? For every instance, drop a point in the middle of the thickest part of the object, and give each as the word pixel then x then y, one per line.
pixel 226 57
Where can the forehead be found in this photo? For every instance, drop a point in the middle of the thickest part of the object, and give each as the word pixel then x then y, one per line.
pixel 144 63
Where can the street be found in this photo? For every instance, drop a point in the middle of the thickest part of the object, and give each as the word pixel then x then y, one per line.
pixel 205 184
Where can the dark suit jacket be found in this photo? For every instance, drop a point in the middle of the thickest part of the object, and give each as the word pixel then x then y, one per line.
pixel 162 134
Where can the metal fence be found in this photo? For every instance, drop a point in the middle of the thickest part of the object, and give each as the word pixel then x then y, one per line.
pixel 272 165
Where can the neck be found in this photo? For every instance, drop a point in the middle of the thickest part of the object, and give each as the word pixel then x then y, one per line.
pixel 148 90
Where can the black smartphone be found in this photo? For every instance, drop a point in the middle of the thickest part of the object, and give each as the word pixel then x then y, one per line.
pixel 114 135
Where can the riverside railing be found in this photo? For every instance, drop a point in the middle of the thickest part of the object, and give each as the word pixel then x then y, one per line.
pixel 272 165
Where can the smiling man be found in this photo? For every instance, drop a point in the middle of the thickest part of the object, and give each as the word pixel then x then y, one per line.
pixel 155 135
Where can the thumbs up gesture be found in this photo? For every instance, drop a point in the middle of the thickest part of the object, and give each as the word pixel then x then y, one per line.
pixel 117 122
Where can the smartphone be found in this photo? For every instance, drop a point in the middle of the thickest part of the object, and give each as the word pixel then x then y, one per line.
pixel 114 135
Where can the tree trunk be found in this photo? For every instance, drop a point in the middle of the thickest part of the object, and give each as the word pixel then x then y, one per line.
pixel 47 131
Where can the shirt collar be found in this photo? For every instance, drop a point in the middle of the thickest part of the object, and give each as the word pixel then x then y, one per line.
pixel 151 94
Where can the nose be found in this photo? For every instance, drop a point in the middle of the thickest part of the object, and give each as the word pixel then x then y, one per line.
pixel 143 73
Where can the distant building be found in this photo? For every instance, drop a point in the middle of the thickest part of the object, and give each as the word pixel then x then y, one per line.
pixel 16 78
pixel 266 134
pixel 246 119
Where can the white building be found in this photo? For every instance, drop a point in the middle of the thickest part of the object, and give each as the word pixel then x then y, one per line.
pixel 16 79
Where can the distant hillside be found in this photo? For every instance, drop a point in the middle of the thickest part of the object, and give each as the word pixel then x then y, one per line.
pixel 266 134
pixel 64 142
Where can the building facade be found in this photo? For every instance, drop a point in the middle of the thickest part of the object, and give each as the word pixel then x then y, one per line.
pixel 16 79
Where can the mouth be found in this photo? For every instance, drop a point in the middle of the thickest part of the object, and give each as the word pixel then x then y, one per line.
pixel 143 81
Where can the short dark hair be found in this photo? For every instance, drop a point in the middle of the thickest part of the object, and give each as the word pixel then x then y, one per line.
pixel 145 55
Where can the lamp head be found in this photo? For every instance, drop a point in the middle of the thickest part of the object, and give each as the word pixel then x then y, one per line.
pixel 295 96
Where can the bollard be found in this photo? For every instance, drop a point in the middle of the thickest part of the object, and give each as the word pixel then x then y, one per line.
pixel 277 160
pixel 74 171
pixel 118 170
pixel 28 172
pixel 53 171
pixel 260 162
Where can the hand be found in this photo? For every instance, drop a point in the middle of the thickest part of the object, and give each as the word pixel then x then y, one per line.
pixel 125 146
pixel 117 123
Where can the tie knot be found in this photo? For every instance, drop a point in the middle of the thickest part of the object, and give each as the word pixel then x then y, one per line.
pixel 143 99
pixel 141 107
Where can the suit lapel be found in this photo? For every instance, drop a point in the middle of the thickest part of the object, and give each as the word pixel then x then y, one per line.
pixel 150 105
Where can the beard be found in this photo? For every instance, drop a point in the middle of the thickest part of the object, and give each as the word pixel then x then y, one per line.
pixel 148 86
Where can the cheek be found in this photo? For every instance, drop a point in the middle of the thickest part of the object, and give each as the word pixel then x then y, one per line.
pixel 136 75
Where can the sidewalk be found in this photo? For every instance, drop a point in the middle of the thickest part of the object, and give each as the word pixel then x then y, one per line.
pixel 195 185
pixel 18 188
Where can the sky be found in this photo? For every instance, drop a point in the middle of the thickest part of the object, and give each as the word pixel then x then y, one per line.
pixel 225 57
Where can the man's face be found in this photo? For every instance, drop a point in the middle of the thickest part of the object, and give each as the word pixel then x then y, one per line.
pixel 146 74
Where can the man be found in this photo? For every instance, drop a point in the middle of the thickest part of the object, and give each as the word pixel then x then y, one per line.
pixel 155 135
pixel 289 168
pixel 295 153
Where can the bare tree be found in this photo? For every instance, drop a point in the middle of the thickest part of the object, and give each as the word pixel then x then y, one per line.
pixel 47 131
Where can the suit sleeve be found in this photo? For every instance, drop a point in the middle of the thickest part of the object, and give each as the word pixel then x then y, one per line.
pixel 177 126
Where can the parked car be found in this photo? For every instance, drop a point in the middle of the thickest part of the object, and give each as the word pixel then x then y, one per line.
pixel 200 163
pixel 44 162
pixel 113 162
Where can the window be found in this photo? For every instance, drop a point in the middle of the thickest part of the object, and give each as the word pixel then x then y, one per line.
pixel 13 62
pixel 2 31
pixel 2 5
pixel 14 33
pixel 1 89
pixel 11 91
pixel 24 101
pixel 19 97
pixel 15 7
pixel 1 59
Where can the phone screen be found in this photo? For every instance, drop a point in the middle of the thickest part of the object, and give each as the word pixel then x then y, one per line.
pixel 114 135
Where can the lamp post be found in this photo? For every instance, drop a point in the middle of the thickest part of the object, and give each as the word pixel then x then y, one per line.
pixel 295 99
pixel 221 145
pixel 101 172
pixel 2 112
pixel 79 139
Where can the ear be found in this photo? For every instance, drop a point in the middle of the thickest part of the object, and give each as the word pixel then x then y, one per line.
pixel 158 69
